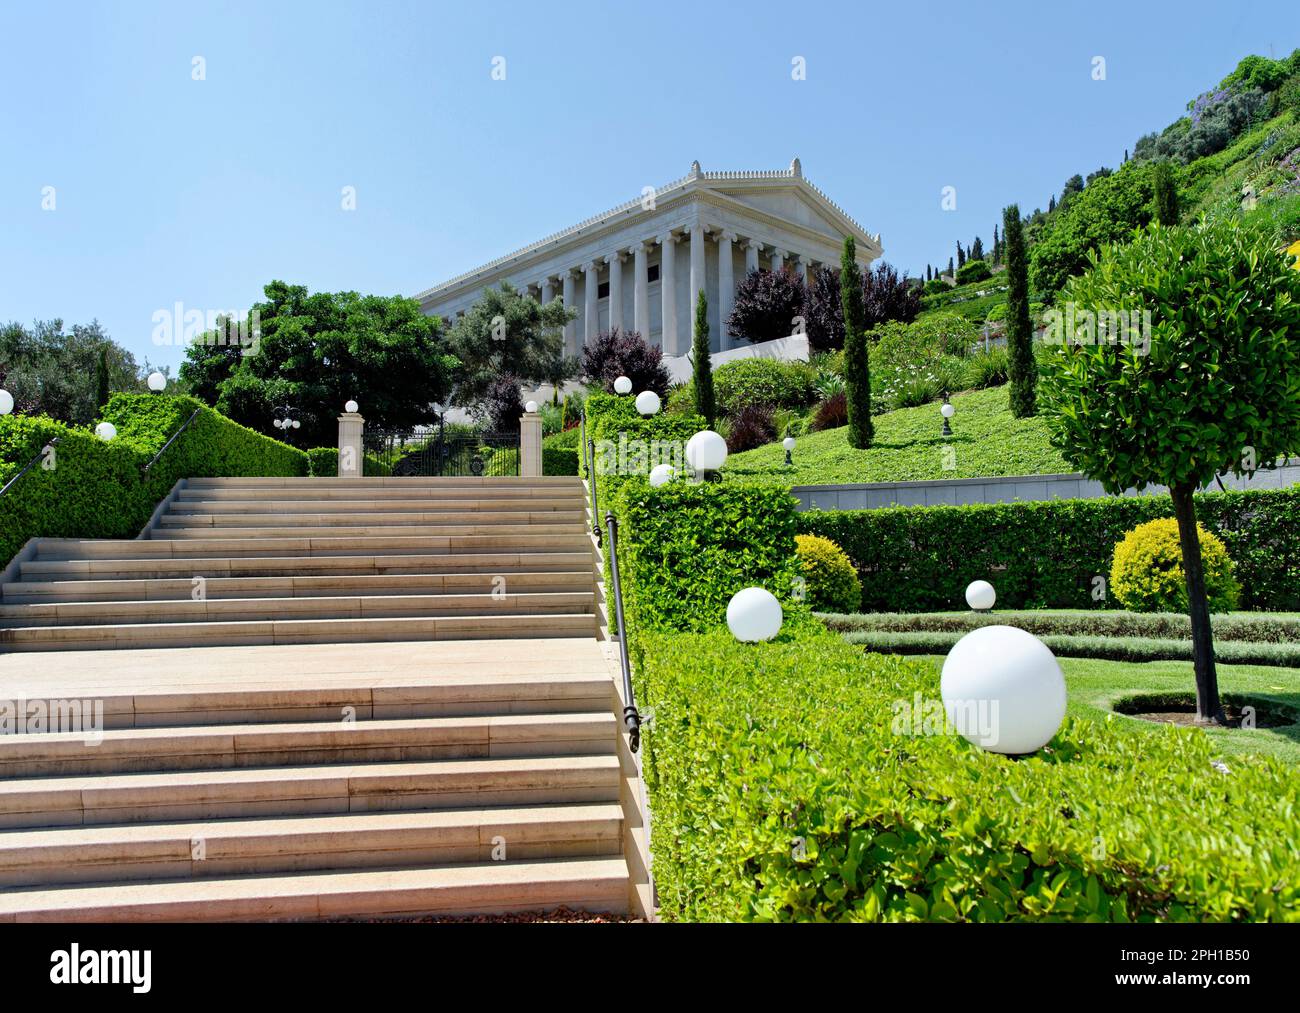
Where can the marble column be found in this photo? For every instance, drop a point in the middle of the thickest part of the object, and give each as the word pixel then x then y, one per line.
pixel 640 292
pixel 751 255
pixel 591 289
pixel 615 262
pixel 726 287
pixel 571 328
pixel 548 291
pixel 801 269
pixel 697 272
pixel 668 291
pixel 778 258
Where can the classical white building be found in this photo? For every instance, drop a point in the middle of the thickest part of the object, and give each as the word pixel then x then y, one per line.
pixel 639 266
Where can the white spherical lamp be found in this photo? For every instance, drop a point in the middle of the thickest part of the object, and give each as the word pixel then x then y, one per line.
pixel 662 474
pixel 296 424
pixel 106 431
pixel 1003 690
pixel 788 443
pixel 531 407
pixel 6 402
pixel 157 381
pixel 754 614
pixel 350 408
pixel 980 595
pixel 622 385
pixel 947 410
pixel 277 423
pixel 647 402
pixel 706 451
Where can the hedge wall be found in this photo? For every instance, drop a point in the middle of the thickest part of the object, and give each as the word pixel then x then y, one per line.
pixel 559 460
pixel 781 790
pixel 1045 555
pixel 97 490
pixel 323 462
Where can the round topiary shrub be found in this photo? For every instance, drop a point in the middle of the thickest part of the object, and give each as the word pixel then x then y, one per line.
pixel 833 584
pixel 1146 574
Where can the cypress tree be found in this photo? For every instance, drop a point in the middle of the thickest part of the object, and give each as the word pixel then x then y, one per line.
pixel 997 246
pixel 1022 370
pixel 1051 204
pixel 977 249
pixel 950 271
pixel 101 379
pixel 929 275
pixel 1166 194
pixel 961 255
pixel 702 366
pixel 857 375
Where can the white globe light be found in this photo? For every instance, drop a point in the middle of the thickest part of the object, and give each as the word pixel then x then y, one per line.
pixel 350 407
pixel 157 381
pixel 277 423
pixel 622 385
pixel 647 402
pixel 1003 690
pixel 947 411
pixel 297 424
pixel 661 474
pixel 531 407
pixel 706 451
pixel 754 614
pixel 980 595
pixel 788 443
pixel 6 402
pixel 106 431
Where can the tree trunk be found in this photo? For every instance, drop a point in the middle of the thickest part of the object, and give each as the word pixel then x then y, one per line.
pixel 1208 707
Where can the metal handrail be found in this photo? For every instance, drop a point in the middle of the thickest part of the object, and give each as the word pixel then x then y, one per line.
pixel 30 464
pixel 153 460
pixel 589 449
pixel 631 718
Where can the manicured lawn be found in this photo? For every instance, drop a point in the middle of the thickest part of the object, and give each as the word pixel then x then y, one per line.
pixel 986 441
pixel 1094 685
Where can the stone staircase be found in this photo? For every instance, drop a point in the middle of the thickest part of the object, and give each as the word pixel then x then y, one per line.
pixel 368 731
pixel 281 561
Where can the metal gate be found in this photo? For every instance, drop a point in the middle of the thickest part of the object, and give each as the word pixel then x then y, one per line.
pixel 435 453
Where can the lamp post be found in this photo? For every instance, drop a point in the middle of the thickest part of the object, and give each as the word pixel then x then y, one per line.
pixel 947 411
pixel 788 443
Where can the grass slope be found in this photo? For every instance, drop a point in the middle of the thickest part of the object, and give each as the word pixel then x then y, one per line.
pixel 986 441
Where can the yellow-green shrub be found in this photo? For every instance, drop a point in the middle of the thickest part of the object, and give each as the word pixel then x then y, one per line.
pixel 832 582
pixel 1146 574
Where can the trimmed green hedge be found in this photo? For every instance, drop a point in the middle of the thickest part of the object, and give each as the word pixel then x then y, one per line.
pixel 97 490
pixel 1045 555
pixel 781 791
pixel 1260 628
pixel 1234 652
pixel 323 462
pixel 559 460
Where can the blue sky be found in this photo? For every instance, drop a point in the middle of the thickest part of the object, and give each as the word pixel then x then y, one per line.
pixel 169 189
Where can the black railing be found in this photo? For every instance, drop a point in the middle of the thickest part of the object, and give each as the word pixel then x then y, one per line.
pixel 631 719
pixel 30 464
pixel 595 494
pixel 154 460
pixel 439 454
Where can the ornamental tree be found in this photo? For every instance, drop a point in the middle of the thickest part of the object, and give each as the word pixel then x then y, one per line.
pixel 857 368
pixel 768 305
pixel 1022 370
pixel 1208 383
pixel 702 365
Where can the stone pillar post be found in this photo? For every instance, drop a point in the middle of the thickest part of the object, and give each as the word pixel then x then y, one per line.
pixel 668 291
pixel 571 328
pixel 726 288
pixel 530 445
pixel 697 273
pixel 615 262
pixel 591 291
pixel 778 259
pixel 801 269
pixel 548 291
pixel 640 292
pixel 751 255
pixel 351 457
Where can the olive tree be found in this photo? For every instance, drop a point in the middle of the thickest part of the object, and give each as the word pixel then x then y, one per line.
pixel 1179 362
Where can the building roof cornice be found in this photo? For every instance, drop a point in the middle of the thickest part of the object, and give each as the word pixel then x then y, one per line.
pixel 650 200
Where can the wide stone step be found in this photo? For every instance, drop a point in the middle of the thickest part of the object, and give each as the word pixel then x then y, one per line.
pixel 117 798
pixel 404 564
pixel 351 513
pixel 174 589
pixel 233 500
pixel 205 849
pixel 335 545
pixel 351 740
pixel 294 631
pixel 596 884
pixel 298 528
pixel 487 485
